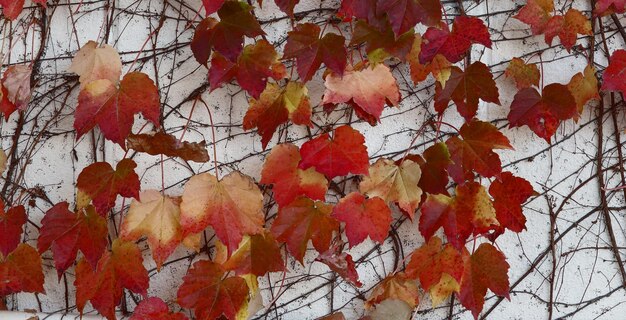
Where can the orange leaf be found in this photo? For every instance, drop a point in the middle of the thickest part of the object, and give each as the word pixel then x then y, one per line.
pixel 281 170
pixel 121 268
pixel 396 286
pixel 93 63
pixel 303 220
pixel 21 271
pixel 232 206
pixel 206 289
pixel 485 269
pixel 275 107
pixel 257 254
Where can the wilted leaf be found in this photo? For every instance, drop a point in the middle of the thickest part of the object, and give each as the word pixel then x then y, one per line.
pixel 341 263
pixel 16 81
pixel 161 143
pixel 396 286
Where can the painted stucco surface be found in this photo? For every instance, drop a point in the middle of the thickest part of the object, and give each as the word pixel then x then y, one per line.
pixel 587 281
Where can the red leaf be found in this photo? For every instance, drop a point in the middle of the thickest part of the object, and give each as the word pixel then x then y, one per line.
pixel 542 114
pixel 536 13
pixel 615 74
pixel 161 143
pixel 154 308
pixel 305 45
pixel 121 268
pixel 485 269
pixel 12 8
pixel 6 106
pixel 363 217
pixel 257 254
pixel 206 290
pixel 304 220
pixel 11 223
pixel 113 109
pixel 276 106
pixel 287 6
pixel 211 6
pixel 454 45
pixel 475 151
pixel 466 88
pixel 431 262
pixel 433 165
pixel 232 206
pixel 21 271
pixel 102 184
pixel 341 263
pixel 607 7
pixel 405 14
pixel 225 36
pixel 255 64
pixel 509 194
pixel 344 153
pixel 66 233
pixel 281 170
pixel 470 211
